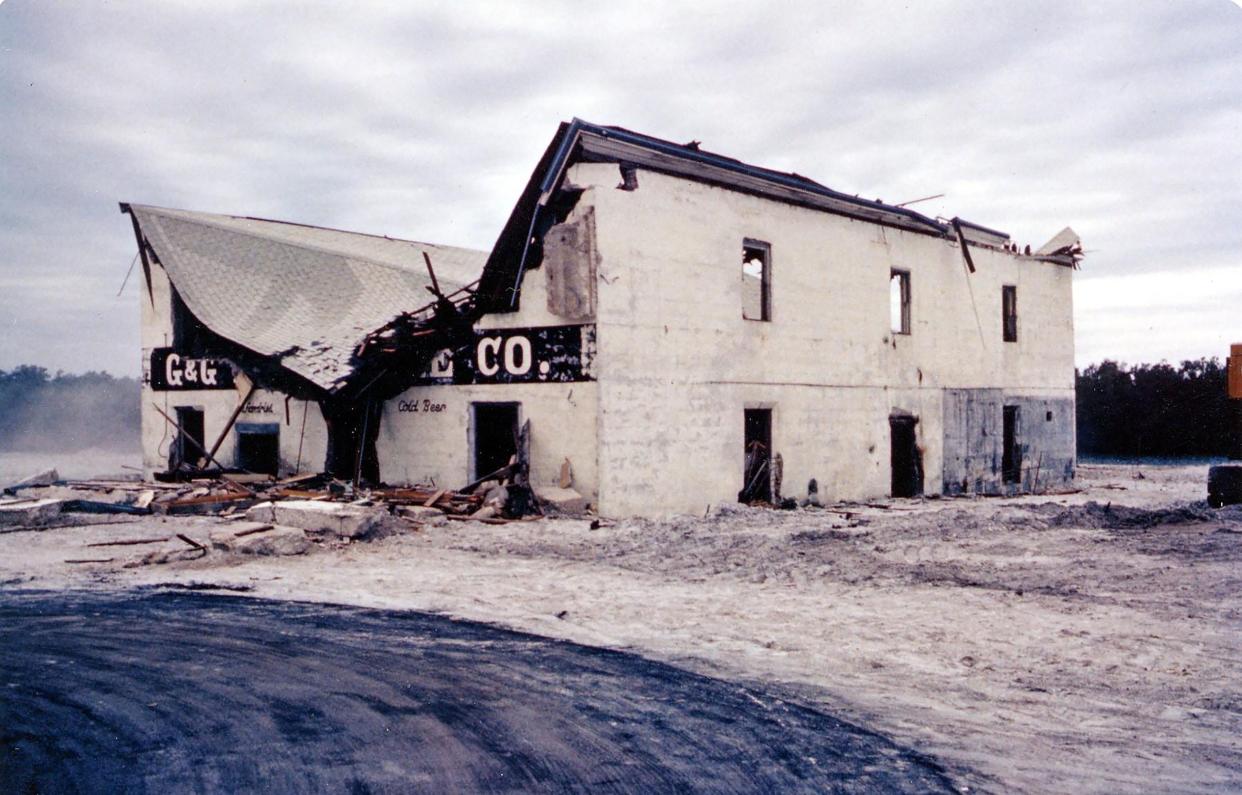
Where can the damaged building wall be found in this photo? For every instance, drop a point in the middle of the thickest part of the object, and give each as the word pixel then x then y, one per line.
pixel 1042 444
pixel 301 433
pixel 427 435
pixel 570 262
pixel 678 364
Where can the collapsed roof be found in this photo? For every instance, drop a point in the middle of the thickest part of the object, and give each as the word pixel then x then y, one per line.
pixel 306 295
pixel 343 309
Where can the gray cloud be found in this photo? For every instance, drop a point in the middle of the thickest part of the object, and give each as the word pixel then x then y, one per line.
pixel 1120 119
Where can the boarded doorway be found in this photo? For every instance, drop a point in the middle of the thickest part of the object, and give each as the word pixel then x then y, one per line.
pixel 258 447
pixel 757 457
pixel 1011 451
pixel 906 458
pixel 187 448
pixel 494 432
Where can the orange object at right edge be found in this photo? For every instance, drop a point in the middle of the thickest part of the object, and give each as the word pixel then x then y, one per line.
pixel 1234 366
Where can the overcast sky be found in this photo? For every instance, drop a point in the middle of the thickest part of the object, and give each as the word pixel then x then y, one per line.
pixel 423 120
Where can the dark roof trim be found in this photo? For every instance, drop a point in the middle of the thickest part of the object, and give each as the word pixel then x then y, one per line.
pixel 982 228
pixel 722 168
pixel 502 276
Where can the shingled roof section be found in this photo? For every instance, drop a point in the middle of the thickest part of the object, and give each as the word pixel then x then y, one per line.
pixel 305 294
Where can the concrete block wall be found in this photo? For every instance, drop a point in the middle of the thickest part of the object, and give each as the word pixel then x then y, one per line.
pixel 974 441
pixel 1046 435
pixel 678 364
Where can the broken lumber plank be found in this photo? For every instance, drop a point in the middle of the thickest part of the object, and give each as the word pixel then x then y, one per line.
pixel 434 498
pixel 484 519
pixel 185 435
pixel 206 499
pixel 205 504
pixel 191 541
pixel 499 474
pixel 298 479
pixel 237 478
pixel 253 530
pixel 94 506
pixel 89 560
pixel 128 542
pixel 297 494
pixel 228 426
pixel 114 485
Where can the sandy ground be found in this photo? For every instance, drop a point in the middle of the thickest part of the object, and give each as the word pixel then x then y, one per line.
pixel 94 462
pixel 1089 642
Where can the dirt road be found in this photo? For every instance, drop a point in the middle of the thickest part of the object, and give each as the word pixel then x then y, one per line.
pixel 1089 642
pixel 185 692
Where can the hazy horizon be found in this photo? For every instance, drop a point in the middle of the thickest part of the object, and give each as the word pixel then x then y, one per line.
pixel 1120 120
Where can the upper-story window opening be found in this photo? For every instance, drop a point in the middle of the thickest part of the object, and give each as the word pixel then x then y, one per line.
pixel 899 301
pixel 1009 312
pixel 756 280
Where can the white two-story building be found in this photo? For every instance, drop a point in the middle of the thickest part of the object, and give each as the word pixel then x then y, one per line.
pixel 672 329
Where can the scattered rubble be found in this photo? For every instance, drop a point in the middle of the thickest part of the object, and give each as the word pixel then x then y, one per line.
pixel 339 520
pixel 562 500
pixel 267 516
pixel 29 512
pixel 253 538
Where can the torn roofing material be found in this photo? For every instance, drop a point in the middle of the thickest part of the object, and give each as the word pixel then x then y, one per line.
pixel 583 141
pixel 305 294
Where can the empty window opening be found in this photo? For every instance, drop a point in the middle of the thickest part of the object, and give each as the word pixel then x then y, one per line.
pixel 258 447
pixel 756 280
pixel 1048 416
pixel 1011 450
pixel 494 437
pixel 899 302
pixel 187 447
pixel 757 457
pixel 189 335
pixel 1009 312
pixel 905 456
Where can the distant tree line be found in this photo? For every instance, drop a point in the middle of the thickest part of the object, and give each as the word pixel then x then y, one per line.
pixel 1153 409
pixel 1139 410
pixel 65 412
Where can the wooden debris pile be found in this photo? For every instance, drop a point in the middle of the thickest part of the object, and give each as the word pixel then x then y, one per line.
pixel 495 499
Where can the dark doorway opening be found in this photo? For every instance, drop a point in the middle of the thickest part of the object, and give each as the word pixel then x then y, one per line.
pixel 494 428
pixel 1011 452
pixel 258 447
pixel 906 458
pixel 353 427
pixel 757 457
pixel 187 447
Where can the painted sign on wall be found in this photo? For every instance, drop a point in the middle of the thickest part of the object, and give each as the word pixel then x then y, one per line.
pixel 171 371
pixel 517 356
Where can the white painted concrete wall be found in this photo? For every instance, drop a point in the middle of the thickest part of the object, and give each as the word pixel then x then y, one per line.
pixel 300 451
pixel 435 446
pixel 677 364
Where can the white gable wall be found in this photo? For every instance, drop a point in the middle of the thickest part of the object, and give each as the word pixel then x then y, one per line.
pixel 301 451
